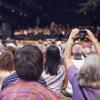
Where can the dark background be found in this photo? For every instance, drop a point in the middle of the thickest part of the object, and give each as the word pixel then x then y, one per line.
pixel 29 13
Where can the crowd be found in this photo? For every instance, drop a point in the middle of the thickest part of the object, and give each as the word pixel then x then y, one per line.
pixel 49 70
pixel 58 32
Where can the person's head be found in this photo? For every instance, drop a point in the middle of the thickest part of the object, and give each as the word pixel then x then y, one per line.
pixel 52 60
pixel 77 51
pixel 86 51
pixel 28 62
pixel 6 61
pixel 11 49
pixel 89 73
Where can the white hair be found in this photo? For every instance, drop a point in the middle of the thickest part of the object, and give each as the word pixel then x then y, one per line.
pixel 77 49
pixel 89 73
pixel 86 51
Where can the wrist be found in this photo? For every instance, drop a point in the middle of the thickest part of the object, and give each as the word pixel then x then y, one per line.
pixel 95 41
pixel 71 40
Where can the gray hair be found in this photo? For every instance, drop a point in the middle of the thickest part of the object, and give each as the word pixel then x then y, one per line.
pixel 86 51
pixel 77 49
pixel 89 73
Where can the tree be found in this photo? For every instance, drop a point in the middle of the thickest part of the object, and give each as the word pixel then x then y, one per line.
pixel 90 5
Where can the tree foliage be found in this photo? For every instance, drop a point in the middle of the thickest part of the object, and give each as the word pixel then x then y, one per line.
pixel 90 5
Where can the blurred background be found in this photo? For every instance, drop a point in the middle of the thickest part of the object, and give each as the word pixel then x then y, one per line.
pixel 25 14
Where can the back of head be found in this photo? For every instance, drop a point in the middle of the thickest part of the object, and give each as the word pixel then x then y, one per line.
pixel 77 51
pixel 52 60
pixel 28 62
pixel 6 60
pixel 89 73
pixel 11 49
pixel 86 51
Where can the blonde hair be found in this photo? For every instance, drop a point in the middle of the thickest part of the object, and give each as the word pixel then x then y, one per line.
pixel 89 73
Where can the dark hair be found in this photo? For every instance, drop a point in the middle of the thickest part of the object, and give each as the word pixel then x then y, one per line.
pixel 29 63
pixel 11 49
pixel 6 60
pixel 52 60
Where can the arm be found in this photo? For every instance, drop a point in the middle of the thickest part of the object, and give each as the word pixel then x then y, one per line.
pixel 68 48
pixel 65 82
pixel 94 41
pixel 67 53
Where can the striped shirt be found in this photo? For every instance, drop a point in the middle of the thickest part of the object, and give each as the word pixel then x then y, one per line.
pixel 55 82
pixel 23 90
pixel 13 77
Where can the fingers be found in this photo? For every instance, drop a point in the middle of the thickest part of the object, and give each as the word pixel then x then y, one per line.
pixel 74 32
pixel 88 32
pixel 91 35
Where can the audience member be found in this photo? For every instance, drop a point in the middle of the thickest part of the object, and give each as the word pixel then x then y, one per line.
pixel 11 49
pixel 29 66
pixel 6 65
pixel 13 77
pixel 86 81
pixel 54 72
pixel 77 59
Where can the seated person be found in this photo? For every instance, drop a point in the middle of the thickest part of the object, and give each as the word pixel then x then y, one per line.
pixel 86 81
pixel 77 59
pixel 54 72
pixel 13 77
pixel 28 63
pixel 6 65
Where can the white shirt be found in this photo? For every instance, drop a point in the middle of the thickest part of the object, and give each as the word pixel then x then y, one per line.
pixel 55 82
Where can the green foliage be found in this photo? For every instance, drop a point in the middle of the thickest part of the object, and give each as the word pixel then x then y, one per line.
pixel 90 5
